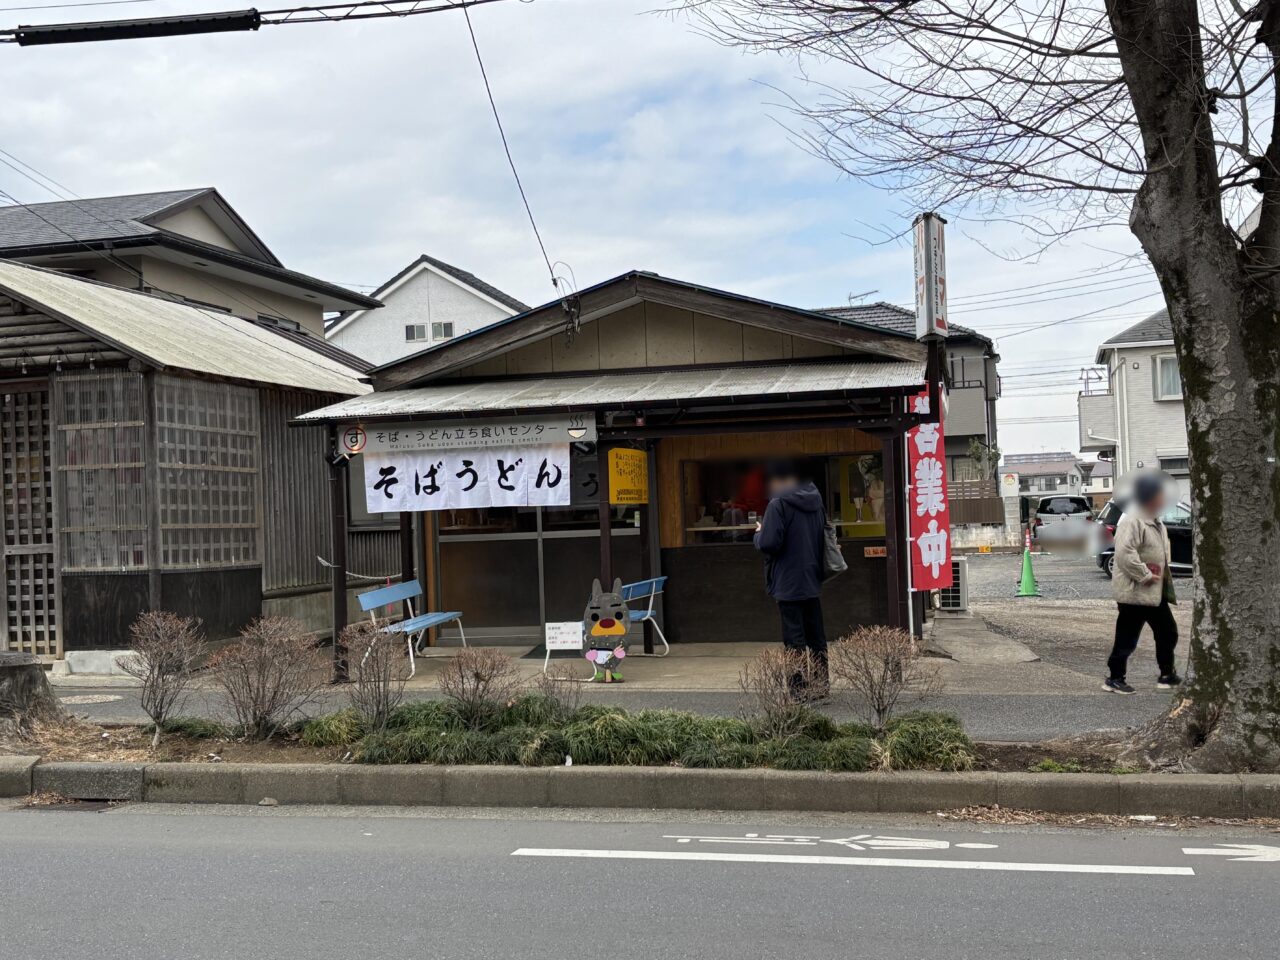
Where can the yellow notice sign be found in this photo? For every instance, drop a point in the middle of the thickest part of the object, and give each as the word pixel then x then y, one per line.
pixel 628 476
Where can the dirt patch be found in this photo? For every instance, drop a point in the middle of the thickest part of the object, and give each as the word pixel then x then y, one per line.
pixel 1008 817
pixel 1076 634
pixel 1076 755
pixel 78 740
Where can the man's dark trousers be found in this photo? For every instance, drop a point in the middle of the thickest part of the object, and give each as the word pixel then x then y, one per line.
pixel 803 632
pixel 1129 623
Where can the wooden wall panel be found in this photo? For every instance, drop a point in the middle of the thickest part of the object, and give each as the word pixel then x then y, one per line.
pixel 716 340
pixel 674 451
pixel 622 338
pixel 670 335
pixel 582 354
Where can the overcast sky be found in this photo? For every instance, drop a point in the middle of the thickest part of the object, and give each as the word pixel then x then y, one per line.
pixel 351 148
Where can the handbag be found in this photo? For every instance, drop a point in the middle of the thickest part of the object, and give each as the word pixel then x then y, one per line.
pixel 833 561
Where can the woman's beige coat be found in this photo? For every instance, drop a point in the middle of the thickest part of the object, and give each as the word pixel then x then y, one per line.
pixel 1139 541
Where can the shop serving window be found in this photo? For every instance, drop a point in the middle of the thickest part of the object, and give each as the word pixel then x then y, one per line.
pixel 724 499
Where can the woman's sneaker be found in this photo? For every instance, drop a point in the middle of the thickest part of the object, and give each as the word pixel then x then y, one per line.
pixel 1117 686
pixel 1168 681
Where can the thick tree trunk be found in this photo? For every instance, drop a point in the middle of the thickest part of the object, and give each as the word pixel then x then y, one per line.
pixel 1224 314
pixel 25 694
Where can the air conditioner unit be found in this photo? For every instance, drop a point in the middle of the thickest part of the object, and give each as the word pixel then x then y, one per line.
pixel 955 598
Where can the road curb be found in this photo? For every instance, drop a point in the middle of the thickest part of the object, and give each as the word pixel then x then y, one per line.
pixel 669 788
pixel 15 775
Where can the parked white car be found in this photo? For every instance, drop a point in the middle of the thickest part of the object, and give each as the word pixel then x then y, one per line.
pixel 1063 519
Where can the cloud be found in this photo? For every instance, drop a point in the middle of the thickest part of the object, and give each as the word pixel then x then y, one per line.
pixel 351 148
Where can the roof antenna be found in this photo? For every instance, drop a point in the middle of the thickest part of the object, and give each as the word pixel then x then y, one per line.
pixel 854 297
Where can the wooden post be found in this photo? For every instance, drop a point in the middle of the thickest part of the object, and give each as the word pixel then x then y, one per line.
pixel 406 555
pixel 338 504
pixel 648 547
pixel 895 530
pixel 606 517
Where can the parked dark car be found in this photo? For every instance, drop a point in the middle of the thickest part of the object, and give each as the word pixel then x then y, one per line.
pixel 1177 520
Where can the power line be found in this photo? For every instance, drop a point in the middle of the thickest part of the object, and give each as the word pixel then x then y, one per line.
pixel 227 21
pixel 1080 316
pixel 506 147
pixel 66 6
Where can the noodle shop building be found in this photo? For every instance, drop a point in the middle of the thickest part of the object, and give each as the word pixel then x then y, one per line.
pixel 622 433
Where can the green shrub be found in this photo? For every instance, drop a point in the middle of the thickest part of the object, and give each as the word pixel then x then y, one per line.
pixel 856 728
pixel 197 728
pixel 792 753
pixel 593 711
pixel 425 714
pixel 334 730
pixel 847 754
pixel 925 741
pixel 712 756
pixel 546 748
pixel 532 709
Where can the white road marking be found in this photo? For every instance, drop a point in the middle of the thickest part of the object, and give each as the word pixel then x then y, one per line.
pixel 864 841
pixel 994 865
pixel 1256 852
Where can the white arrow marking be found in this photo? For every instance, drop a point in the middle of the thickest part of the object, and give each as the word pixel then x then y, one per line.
pixel 994 865
pixel 1256 852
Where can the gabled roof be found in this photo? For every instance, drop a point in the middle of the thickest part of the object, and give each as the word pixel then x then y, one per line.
pixel 39 230
pixel 890 316
pixel 166 334
pixel 626 290
pixel 115 218
pixel 1157 328
pixel 467 279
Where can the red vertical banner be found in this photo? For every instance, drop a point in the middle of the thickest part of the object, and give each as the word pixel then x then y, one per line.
pixel 928 510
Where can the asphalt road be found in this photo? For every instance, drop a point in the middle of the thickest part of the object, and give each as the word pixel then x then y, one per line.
pixel 158 883
pixel 985 716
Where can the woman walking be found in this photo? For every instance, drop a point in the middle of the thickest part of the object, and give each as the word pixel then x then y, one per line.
pixel 1142 585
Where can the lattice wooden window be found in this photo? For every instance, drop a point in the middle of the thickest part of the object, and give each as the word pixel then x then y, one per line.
pixel 208 464
pixel 101 420
pixel 29 621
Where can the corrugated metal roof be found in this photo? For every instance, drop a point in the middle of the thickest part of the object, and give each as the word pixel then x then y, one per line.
pixel 170 334
pixel 622 389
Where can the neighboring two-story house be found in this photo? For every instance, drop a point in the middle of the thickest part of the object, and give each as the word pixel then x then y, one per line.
pixel 1134 415
pixel 187 245
pixel 427 303
pixel 1040 474
pixel 974 384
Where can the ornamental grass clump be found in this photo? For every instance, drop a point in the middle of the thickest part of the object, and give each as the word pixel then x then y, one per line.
pixel 924 741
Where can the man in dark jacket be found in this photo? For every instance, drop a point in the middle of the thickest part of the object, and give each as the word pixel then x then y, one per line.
pixel 791 539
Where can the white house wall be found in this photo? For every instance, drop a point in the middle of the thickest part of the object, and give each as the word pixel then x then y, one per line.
pixel 427 297
pixel 1148 427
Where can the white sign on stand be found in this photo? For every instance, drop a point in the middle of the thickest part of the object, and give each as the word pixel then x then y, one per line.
pixel 564 636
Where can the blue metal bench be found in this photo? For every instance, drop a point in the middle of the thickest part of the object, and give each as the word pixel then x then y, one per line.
pixel 650 590
pixel 413 626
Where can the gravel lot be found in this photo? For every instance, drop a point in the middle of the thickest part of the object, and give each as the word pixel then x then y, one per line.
pixel 1073 623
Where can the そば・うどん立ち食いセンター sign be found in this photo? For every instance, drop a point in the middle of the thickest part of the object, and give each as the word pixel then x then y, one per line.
pixel 476 464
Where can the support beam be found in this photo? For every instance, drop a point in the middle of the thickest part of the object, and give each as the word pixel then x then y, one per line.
pixel 338 551
pixel 606 518
pixel 406 556
pixel 897 549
